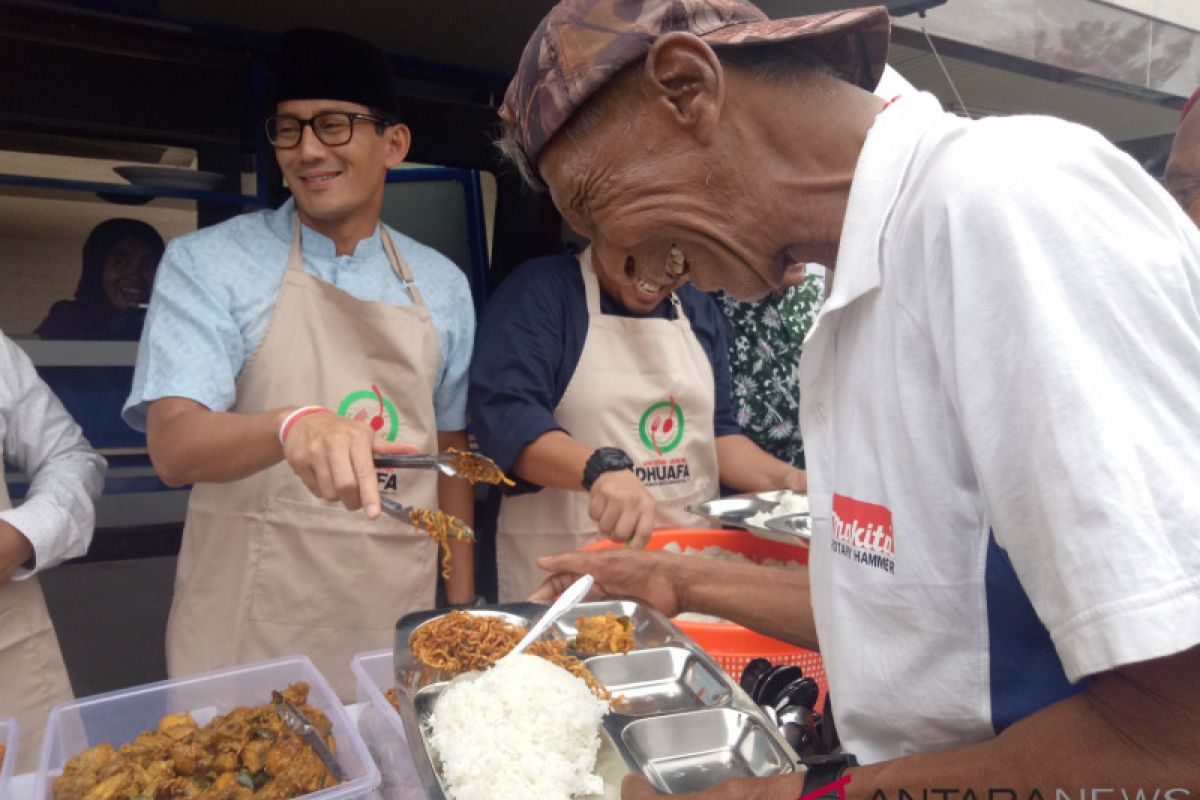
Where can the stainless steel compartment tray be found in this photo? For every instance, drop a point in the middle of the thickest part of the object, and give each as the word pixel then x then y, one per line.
pixel 733 511
pixel 650 629
pixel 692 751
pixel 665 677
pixel 660 680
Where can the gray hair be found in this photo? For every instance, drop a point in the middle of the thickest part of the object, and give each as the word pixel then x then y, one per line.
pixel 513 154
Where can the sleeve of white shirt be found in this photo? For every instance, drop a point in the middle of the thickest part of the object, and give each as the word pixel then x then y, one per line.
pixel 191 346
pixel 1069 334
pixel 66 475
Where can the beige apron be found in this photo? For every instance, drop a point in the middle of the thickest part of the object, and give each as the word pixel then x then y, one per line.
pixel 33 677
pixel 265 568
pixel 644 385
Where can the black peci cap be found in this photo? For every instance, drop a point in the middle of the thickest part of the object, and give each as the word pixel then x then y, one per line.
pixel 316 64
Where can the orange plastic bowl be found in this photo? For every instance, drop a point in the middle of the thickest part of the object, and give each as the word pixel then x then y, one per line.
pixel 733 646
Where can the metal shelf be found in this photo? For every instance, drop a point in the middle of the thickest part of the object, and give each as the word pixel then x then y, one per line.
pixel 96 187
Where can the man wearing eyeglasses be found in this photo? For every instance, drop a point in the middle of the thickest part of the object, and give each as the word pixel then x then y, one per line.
pixel 283 350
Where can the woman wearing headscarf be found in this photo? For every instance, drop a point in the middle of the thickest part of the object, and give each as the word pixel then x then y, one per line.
pixel 119 260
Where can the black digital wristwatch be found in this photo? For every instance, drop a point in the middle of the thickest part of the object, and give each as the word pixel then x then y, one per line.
pixel 604 459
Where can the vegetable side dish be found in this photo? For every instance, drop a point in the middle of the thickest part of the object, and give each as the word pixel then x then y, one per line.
pixel 247 754
pixel 605 633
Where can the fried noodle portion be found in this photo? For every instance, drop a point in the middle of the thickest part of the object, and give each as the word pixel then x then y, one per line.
pixel 464 642
pixel 440 526
pixel 603 633
pixel 475 468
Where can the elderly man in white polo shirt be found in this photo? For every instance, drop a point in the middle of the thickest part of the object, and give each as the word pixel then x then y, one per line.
pixel 1002 427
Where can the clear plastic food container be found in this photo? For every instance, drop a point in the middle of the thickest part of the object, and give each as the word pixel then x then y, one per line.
pixel 382 729
pixel 9 733
pixel 118 717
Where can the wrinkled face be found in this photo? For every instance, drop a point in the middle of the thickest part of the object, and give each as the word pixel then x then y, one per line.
pixel 1182 175
pixel 639 186
pixel 341 184
pixel 129 273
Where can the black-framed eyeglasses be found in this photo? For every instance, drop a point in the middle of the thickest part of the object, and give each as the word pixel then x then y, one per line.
pixel 332 128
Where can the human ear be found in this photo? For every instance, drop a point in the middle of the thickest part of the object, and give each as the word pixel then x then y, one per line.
pixel 398 139
pixel 683 73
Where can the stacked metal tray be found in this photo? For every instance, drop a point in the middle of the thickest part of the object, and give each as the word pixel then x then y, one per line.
pixel 676 717
pixel 735 510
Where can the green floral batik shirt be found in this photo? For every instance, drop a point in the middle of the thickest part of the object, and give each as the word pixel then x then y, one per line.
pixel 765 339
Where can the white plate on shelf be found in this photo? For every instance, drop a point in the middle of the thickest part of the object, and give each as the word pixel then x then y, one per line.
pixel 171 178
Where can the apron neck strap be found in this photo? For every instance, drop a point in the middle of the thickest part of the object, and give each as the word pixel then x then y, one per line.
pixel 591 288
pixel 399 265
pixel 591 284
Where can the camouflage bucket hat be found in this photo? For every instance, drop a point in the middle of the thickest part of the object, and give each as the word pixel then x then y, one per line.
pixel 581 44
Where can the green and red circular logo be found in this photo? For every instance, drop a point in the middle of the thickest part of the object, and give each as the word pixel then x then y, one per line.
pixel 661 426
pixel 372 408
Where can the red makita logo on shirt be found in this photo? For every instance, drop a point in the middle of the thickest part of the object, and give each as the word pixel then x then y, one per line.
pixel 863 532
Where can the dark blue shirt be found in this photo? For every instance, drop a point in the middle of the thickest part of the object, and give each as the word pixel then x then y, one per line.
pixel 530 339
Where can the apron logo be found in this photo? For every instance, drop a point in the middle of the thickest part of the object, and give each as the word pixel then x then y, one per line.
pixel 372 408
pixel 661 426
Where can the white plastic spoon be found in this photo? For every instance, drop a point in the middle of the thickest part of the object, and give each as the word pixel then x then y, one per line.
pixel 565 602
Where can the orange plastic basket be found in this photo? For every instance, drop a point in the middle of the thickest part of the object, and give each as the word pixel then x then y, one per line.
pixel 733 646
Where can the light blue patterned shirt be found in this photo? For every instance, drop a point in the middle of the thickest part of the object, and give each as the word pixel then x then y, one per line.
pixel 216 288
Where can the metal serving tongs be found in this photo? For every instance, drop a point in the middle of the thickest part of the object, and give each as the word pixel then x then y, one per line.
pixel 447 462
pixel 394 508
pixel 442 462
pixel 294 718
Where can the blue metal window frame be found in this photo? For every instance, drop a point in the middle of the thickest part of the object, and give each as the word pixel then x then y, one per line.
pixel 476 226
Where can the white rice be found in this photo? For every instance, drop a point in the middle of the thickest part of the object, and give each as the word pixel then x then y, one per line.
pixel 523 730
pixel 789 503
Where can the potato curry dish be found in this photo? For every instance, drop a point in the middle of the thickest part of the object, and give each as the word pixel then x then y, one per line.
pixel 247 754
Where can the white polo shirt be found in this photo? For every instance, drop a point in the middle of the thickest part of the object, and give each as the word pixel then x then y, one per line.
pixel 1000 402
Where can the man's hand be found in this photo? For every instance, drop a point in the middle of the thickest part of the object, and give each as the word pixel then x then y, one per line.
pixel 622 507
pixel 15 550
pixel 335 458
pixel 780 787
pixel 651 576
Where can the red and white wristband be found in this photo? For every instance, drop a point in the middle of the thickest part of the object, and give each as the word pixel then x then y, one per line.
pixel 291 418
